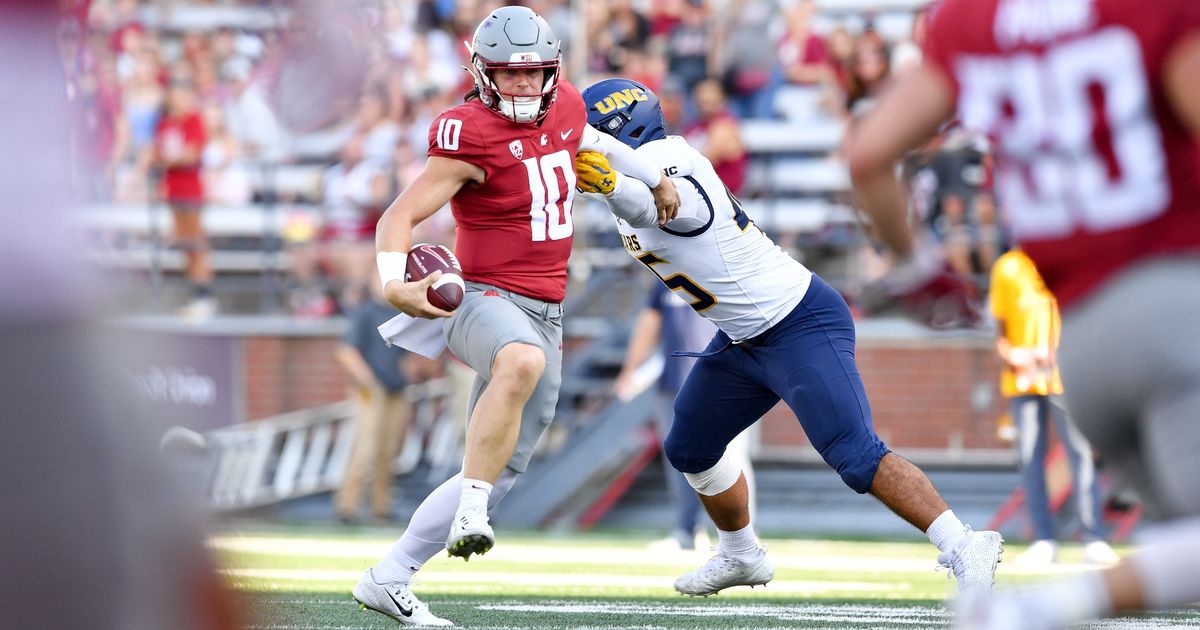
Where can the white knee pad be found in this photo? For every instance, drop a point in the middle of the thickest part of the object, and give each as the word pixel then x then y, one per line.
pixel 717 479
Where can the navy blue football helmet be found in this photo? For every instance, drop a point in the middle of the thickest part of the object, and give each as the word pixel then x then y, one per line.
pixel 625 110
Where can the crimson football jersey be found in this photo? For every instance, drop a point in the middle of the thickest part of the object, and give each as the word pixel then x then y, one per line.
pixel 515 229
pixel 1095 170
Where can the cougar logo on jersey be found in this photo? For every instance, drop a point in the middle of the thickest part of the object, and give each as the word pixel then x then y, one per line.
pixel 517 149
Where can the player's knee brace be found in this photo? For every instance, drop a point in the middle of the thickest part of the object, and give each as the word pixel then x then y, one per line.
pixel 855 463
pixel 717 479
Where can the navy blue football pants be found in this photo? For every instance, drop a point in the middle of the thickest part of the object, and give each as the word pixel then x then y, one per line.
pixel 807 360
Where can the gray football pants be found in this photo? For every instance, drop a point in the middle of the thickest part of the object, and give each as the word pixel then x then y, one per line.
pixel 1130 360
pixel 491 318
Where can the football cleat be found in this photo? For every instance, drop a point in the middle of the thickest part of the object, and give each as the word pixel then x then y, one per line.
pixel 396 600
pixel 721 572
pixel 470 533
pixel 925 289
pixel 1098 552
pixel 973 560
pixel 1040 554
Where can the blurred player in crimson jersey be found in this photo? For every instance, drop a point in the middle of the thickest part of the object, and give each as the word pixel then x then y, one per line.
pixel 1094 107
pixel 505 161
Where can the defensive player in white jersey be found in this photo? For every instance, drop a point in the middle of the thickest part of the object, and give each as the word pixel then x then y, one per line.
pixel 783 334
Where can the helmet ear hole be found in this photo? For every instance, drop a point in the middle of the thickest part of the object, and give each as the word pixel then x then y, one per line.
pixel 637 133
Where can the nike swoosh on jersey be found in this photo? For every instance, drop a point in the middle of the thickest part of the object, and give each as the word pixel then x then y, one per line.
pixel 566 134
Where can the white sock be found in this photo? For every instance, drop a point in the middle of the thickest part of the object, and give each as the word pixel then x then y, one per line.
pixel 425 535
pixel 742 544
pixel 475 494
pixel 946 531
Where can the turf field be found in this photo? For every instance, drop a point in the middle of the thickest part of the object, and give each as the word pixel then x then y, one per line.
pixel 299 579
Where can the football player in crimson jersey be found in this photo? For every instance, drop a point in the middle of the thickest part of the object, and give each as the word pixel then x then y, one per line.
pixel 1094 107
pixel 505 161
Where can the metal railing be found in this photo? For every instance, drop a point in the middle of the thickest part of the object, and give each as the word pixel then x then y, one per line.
pixel 305 452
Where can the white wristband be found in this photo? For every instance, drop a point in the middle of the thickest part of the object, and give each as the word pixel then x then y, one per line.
pixel 392 266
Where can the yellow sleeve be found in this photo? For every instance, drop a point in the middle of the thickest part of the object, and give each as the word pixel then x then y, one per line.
pixel 1000 289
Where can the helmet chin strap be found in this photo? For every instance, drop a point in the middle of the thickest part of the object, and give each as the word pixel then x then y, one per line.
pixel 520 111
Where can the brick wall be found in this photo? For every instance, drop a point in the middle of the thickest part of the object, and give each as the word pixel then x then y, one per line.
pixel 288 373
pixel 925 394
pixel 921 390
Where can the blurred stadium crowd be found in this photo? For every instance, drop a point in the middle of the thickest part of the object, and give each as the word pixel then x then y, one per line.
pixel 344 141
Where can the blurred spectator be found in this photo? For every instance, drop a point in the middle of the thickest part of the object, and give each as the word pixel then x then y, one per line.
pixel 715 134
pixel 948 189
pixel 141 104
pixel 908 53
pixel 225 178
pixel 840 44
pixel 378 130
pixel 179 143
pixel 802 53
pixel 689 46
pixel 1029 326
pixel 381 413
pixel 356 190
pixel 749 65
pixel 869 69
pixel 672 98
pixel 628 31
pixel 425 75
pixel 249 116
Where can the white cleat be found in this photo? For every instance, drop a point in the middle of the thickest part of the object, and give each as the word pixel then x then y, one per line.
pixel 395 600
pixel 470 533
pixel 721 572
pixel 973 560
pixel 1098 552
pixel 1041 553
pixel 1002 611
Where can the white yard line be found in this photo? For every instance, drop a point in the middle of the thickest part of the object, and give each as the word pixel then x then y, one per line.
pixel 811 587
pixel 816 556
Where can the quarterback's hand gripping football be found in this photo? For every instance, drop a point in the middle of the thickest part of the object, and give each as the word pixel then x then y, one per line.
pixel 412 297
pixel 593 173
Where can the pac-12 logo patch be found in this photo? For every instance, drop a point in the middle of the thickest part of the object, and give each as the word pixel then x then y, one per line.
pixel 516 148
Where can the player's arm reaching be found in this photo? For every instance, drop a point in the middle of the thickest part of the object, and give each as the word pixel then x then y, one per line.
pixel 630 199
pixel 626 160
pixel 432 189
pixel 907 115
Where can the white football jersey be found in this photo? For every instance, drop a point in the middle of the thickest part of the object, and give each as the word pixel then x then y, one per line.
pixel 713 255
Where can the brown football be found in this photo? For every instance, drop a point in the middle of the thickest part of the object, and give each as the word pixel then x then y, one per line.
pixel 447 291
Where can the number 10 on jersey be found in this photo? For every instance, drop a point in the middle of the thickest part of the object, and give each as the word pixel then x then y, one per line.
pixel 550 211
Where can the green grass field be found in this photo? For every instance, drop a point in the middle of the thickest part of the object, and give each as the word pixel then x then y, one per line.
pixel 299 579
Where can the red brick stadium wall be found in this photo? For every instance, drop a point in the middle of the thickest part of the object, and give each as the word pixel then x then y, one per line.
pixel 289 373
pixel 926 394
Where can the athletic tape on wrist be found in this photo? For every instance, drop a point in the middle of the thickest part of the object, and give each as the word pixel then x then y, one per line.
pixel 392 266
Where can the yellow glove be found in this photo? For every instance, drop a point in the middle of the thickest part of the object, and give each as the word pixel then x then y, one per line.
pixel 593 173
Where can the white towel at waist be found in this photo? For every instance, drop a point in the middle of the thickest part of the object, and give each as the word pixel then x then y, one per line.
pixel 415 334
